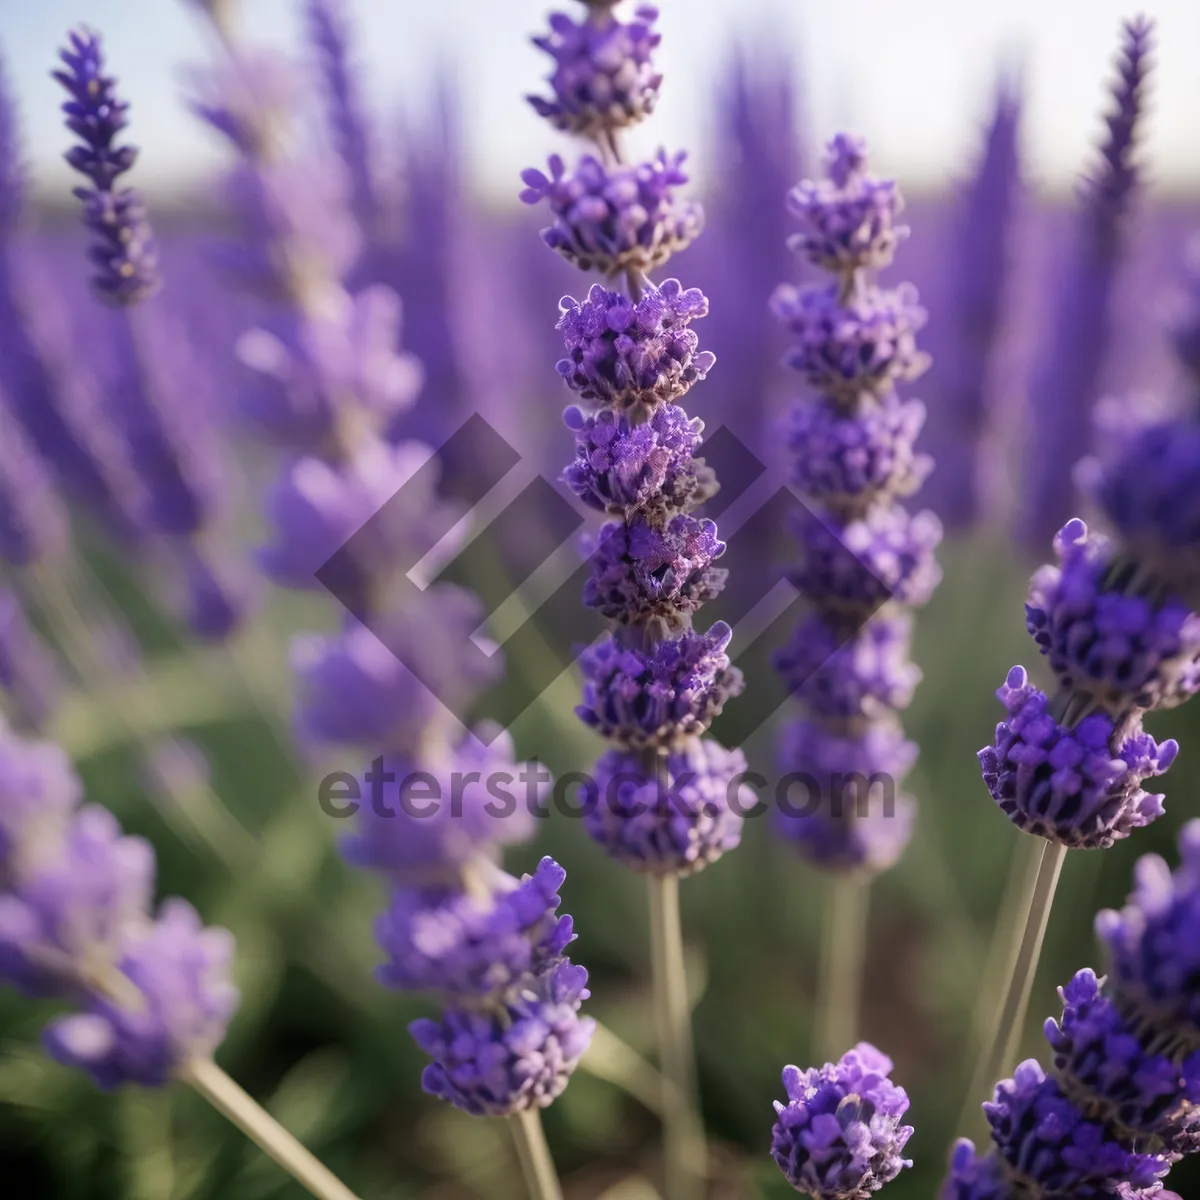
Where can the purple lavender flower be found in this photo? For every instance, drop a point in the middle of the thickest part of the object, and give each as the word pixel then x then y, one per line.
pixel 330 35
pixel 316 363
pixel 978 266
pixel 854 459
pixel 1104 1067
pixel 839 1136
pixel 1129 650
pixel 1065 381
pixel 1153 950
pixel 1185 325
pixel 675 825
pixel 1077 785
pixel 246 97
pixel 13 182
pixel 621 467
pixel 124 254
pixel 39 791
pixel 861 552
pixel 615 218
pixel 975 1176
pixel 183 1002
pixel 644 572
pixel 497 1063
pixel 471 948
pixel 846 347
pixel 660 697
pixel 622 353
pixel 604 77
pixel 1051 1147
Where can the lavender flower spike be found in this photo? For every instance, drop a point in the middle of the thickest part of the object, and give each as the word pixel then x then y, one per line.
pixel 1067 376
pixel 125 254
pixel 839 1136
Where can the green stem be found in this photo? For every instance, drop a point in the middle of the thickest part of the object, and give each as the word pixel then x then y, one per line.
pixel 842 956
pixel 263 1130
pixel 1027 932
pixel 683 1133
pixel 536 1164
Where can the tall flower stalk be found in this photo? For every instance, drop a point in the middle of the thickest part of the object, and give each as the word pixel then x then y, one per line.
pixel 1120 1104
pixel 662 802
pixel 1068 374
pixel 487 947
pixel 865 559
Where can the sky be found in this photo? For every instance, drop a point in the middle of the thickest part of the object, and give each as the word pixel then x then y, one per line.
pixel 915 77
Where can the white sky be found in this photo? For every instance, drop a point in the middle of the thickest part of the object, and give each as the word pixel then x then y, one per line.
pixel 914 77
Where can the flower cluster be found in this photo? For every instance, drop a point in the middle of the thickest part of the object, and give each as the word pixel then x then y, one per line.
pixel 151 991
pixel 1121 1103
pixel 863 556
pixel 839 1136
pixel 654 684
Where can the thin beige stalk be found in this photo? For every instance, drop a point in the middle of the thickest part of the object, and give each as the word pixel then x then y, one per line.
pixel 536 1164
pixel 232 1101
pixel 683 1132
pixel 843 954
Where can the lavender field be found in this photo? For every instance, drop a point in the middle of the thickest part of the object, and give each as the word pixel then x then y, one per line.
pixel 788 570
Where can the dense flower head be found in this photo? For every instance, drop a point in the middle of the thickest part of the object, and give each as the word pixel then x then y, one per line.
pixel 1153 943
pixel 619 218
pixel 677 824
pixel 661 696
pixel 621 468
pixel 420 820
pixel 643 572
pixel 1106 1069
pixel 850 672
pixel 124 252
pixel 66 916
pixel 842 809
pixel 181 1002
pixel 496 1063
pixel 1149 490
pixel 845 347
pixel 33 520
pixel 317 366
pixel 604 77
pixel 850 459
pixel 1050 1146
pixel 623 353
pixel 474 948
pixel 1129 650
pixel 29 672
pixel 839 1136
pixel 1079 786
pixel 379 494
pixel 389 684
pixel 849 219
pixel 886 555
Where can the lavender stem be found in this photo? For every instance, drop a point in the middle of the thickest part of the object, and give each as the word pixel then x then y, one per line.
pixel 536 1164
pixel 1008 1026
pixel 683 1134
pixel 232 1101
pixel 842 956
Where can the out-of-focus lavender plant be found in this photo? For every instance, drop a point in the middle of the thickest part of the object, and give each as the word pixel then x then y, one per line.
pixel 169 447
pixel 507 1048
pixel 1120 1104
pixel 963 435
pixel 1064 385
pixel 864 558
pixel 664 803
